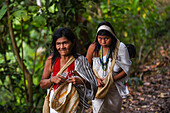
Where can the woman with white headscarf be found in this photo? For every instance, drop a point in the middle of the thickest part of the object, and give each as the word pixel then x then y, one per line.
pixel 111 64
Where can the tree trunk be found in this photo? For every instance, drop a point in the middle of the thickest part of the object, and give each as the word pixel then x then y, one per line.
pixel 28 76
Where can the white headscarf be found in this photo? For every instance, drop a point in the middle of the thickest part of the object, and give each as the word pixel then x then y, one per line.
pixel 105 27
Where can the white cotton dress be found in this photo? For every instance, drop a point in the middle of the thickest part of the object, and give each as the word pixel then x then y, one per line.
pixel 113 100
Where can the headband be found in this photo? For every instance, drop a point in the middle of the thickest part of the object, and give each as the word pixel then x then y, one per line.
pixel 104 27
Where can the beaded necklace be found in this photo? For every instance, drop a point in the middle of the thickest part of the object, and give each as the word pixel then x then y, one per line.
pixel 104 64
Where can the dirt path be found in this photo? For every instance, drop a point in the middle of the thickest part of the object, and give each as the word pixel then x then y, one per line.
pixel 154 95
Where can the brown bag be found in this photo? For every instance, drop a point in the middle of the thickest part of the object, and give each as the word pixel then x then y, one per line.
pixel 46 108
pixel 108 81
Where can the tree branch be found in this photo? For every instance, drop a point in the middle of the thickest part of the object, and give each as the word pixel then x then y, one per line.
pixel 16 52
pixel 36 52
pixel 22 60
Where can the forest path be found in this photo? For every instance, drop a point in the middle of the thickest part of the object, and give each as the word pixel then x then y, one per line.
pixel 154 95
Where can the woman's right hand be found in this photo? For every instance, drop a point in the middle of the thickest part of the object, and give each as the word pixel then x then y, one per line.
pixel 100 82
pixel 58 79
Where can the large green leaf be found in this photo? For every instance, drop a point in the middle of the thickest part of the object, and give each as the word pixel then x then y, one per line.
pixel 33 8
pixel 39 21
pixel 20 14
pixel 3 11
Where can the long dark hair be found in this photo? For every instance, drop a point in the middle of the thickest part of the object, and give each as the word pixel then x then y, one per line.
pixel 105 33
pixel 63 32
pixel 132 50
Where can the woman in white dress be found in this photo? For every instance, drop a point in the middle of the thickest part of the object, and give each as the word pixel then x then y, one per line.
pixel 100 54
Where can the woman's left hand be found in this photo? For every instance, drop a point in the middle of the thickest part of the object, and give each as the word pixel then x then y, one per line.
pixel 75 80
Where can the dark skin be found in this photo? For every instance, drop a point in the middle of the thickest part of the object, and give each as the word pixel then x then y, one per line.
pixel 64 46
pixel 104 41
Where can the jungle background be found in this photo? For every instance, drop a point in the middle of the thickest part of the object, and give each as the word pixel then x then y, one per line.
pixel 26 27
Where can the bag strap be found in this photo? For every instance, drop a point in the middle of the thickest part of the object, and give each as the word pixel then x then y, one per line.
pixel 114 56
pixel 71 60
pixel 113 59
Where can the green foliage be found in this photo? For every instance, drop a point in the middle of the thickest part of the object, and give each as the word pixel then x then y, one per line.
pixel 20 14
pixel 3 11
pixel 135 81
pixel 33 9
pixel 39 21
pixel 140 22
